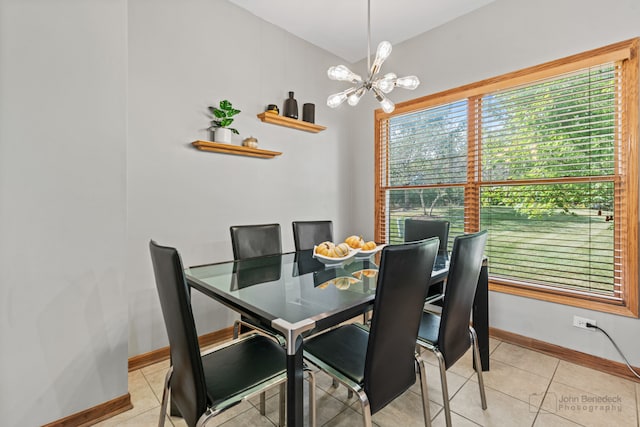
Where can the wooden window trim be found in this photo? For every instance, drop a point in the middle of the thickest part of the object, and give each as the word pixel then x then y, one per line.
pixel 627 53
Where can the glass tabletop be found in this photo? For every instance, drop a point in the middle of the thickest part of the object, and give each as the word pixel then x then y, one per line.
pixel 293 287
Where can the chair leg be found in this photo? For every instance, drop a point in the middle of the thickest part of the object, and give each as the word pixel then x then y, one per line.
pixel 445 389
pixel 283 399
pixel 478 365
pixel 335 383
pixel 263 403
pixel 312 399
pixel 165 397
pixel 422 370
pixel 236 329
pixel 366 408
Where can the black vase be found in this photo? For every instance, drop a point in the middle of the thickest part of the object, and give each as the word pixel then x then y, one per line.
pixel 290 107
pixel 308 113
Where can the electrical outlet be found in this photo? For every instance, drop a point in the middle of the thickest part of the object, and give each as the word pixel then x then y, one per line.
pixel 581 322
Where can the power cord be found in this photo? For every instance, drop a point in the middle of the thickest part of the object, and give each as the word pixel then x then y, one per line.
pixel 592 326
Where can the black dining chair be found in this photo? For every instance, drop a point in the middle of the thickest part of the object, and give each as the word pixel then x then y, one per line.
pixel 307 234
pixel 449 335
pixel 250 241
pixel 204 385
pixel 379 364
pixel 418 229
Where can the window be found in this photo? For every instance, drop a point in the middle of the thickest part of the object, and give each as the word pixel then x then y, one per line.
pixel 544 158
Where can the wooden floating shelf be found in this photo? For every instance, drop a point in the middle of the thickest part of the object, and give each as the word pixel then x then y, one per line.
pixel 279 120
pixel 218 147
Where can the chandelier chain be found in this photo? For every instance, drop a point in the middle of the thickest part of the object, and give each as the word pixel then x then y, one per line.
pixel 368 34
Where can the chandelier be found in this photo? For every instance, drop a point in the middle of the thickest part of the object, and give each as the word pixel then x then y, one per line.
pixel 380 85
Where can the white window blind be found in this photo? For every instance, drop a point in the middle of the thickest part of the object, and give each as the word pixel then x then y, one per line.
pixel 542 163
pixel 555 140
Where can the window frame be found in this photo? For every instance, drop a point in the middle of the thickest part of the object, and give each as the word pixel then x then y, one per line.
pixel 626 54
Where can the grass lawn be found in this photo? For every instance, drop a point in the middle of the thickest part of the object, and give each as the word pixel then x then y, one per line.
pixel 567 250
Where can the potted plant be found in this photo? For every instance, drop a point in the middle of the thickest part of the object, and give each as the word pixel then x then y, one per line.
pixel 222 118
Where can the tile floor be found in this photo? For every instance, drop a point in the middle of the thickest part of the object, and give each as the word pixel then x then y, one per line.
pixel 524 388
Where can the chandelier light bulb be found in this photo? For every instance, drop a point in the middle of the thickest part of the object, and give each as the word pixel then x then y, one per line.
pixel 386 83
pixel 409 82
pixel 354 98
pixel 342 73
pixel 336 99
pixel 383 52
pixel 387 105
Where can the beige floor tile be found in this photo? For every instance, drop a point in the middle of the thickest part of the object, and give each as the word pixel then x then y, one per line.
pixel 515 382
pixel 179 422
pixel 493 344
pixel 520 357
pixel 136 381
pixel 463 367
pixel 406 410
pixel 325 383
pixel 546 419
pixel 327 407
pixel 502 410
pixel 513 393
pixel 226 416
pixel 569 403
pixel 456 420
pixel 273 391
pixel 250 418
pixel 143 419
pixel 155 385
pixel 142 396
pixel 346 418
pixel 408 404
pixel 272 409
pixel 434 386
pixel 596 382
pixel 160 366
pixel 155 379
pixel 272 404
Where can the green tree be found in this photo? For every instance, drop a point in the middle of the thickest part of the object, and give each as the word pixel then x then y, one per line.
pixel 427 147
pixel 553 129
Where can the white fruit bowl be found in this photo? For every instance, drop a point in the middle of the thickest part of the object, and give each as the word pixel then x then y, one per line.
pixel 331 261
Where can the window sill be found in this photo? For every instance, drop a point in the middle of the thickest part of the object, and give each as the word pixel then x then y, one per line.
pixel 590 303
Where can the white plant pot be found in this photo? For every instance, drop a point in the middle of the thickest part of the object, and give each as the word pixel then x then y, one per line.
pixel 222 135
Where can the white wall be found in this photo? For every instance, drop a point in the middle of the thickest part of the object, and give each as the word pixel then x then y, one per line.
pixel 99 102
pixel 183 57
pixel 506 36
pixel 63 317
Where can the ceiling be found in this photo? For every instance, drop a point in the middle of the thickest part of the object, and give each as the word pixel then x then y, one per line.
pixel 340 26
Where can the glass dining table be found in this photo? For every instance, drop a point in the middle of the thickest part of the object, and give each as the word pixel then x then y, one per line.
pixel 297 295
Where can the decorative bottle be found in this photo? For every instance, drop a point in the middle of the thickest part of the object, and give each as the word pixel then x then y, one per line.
pixel 308 113
pixel 290 107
